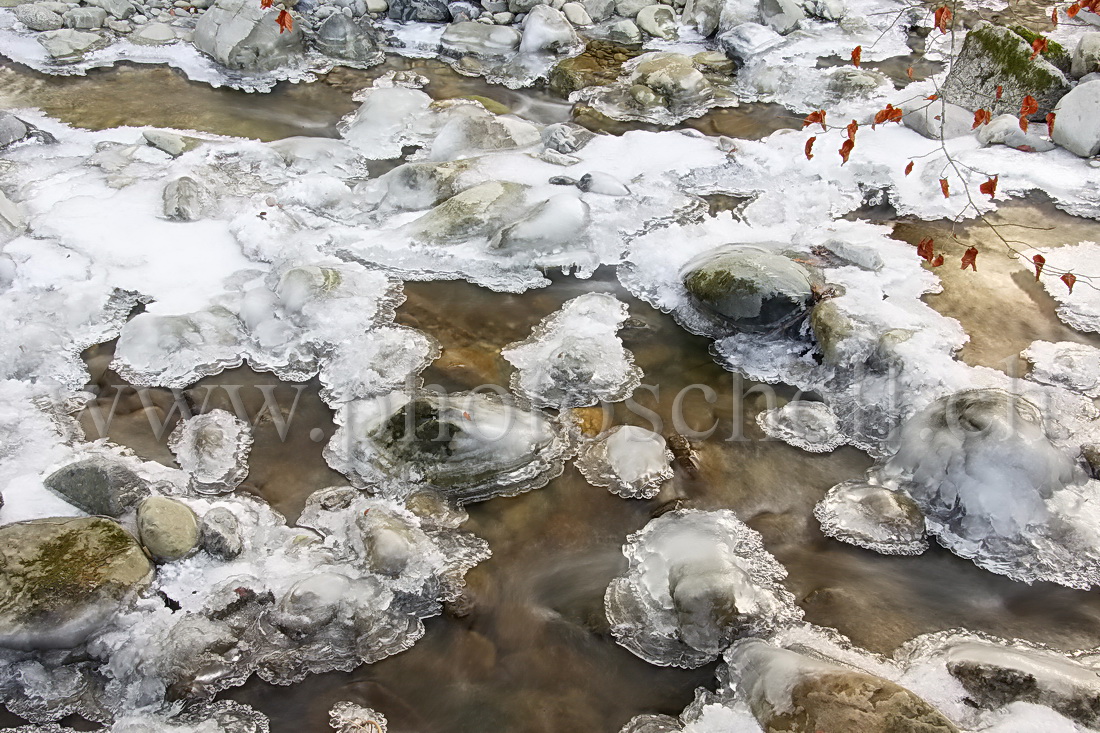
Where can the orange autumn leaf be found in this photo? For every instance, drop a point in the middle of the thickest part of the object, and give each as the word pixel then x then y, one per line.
pixel 909 168
pixel 942 18
pixel 932 97
pixel 1023 123
pixel 265 4
pixel 857 55
pixel 1028 106
pixel 944 187
pixel 815 117
pixel 1050 123
pixel 1039 261
pixel 924 249
pixel 909 72
pixel 846 149
pixel 981 117
pixel 1038 46
pixel 1073 10
pixel 852 128
pixel 284 21
pixel 889 114
pixel 1054 16
pixel 1000 91
pixel 989 188
pixel 1069 279
pixel 810 148
pixel 970 259
pixel 937 261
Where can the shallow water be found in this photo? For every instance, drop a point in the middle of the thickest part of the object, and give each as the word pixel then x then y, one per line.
pixel 527 648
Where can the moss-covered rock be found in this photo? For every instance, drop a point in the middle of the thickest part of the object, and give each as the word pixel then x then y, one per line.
pixel 62 579
pixel 479 211
pixel 994 56
pixel 749 288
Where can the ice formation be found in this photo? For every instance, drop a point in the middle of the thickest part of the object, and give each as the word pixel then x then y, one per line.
pixel 350 585
pixel 811 426
pixel 873 517
pixel 696 581
pixel 213 449
pixel 347 717
pixel 574 357
pixel 629 461
pixel 223 716
pixel 470 446
pixel 1073 366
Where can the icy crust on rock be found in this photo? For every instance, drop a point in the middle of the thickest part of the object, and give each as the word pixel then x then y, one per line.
pixel 469 446
pixel 1073 366
pixel 347 717
pixel 811 426
pixel 696 581
pixel 995 489
pixel 350 586
pixel 221 716
pixel 872 517
pixel 574 357
pixel 175 351
pixel 629 461
pixel 1081 308
pixel 944 682
pixel 212 448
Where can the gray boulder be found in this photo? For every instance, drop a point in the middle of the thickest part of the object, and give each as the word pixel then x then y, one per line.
pixel 994 56
pixel 185 199
pixel 658 21
pixel 98 486
pixel 703 15
pixel 242 35
pixel 782 16
pixel 221 534
pixel 480 39
pixel 749 288
pixel 62 579
pixel 599 9
pixel 1086 56
pixel 746 40
pixel 38 18
pixel 67 44
pixel 168 529
pixel 425 11
pixel 12 129
pixel 1005 130
pixel 343 38
pixel 545 30
pixel 154 34
pixel 120 9
pixel 938 118
pixel 625 31
pixel 169 142
pixel 85 19
pixel 479 211
pixel 631 8
pixel 1077 120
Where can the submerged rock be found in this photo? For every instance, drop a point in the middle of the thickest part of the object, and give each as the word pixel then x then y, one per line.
pixel 696 581
pixel 169 529
pixel 629 461
pixel 243 36
pixel 796 693
pixel 62 579
pixel 748 288
pixel 674 78
pixel 873 517
pixel 98 485
pixel 469 447
pixel 993 56
pixel 599 65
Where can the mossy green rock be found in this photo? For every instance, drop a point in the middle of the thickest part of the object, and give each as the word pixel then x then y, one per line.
pixel 476 212
pixel 62 579
pixel 749 288
pixel 993 56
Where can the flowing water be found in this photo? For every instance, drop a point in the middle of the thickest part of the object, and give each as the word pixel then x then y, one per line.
pixel 527 648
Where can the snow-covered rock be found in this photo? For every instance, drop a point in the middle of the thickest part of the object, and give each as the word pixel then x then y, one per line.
pixel 1075 125
pixel 241 35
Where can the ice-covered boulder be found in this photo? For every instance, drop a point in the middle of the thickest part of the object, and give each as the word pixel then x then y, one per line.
pixel 629 461
pixel 1005 130
pixel 811 426
pixel 242 35
pixel 168 529
pixel 213 449
pixel 61 579
pixel 343 38
pixel 553 225
pixel 782 16
pixel 68 45
pixel 347 717
pixel 379 129
pixel 993 56
pixel 375 362
pixel 747 288
pixel 658 21
pixel 185 199
pixel 873 517
pixel 476 132
pixel 480 39
pixel 220 533
pixel 995 489
pixel 938 120
pixel 789 691
pixel 98 485
pixel 1075 126
pixel 468 446
pixel 696 581
pixel 477 212
pixel 175 351
pixel 546 30
pixel 747 40
pixel 574 357
pixel 674 78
